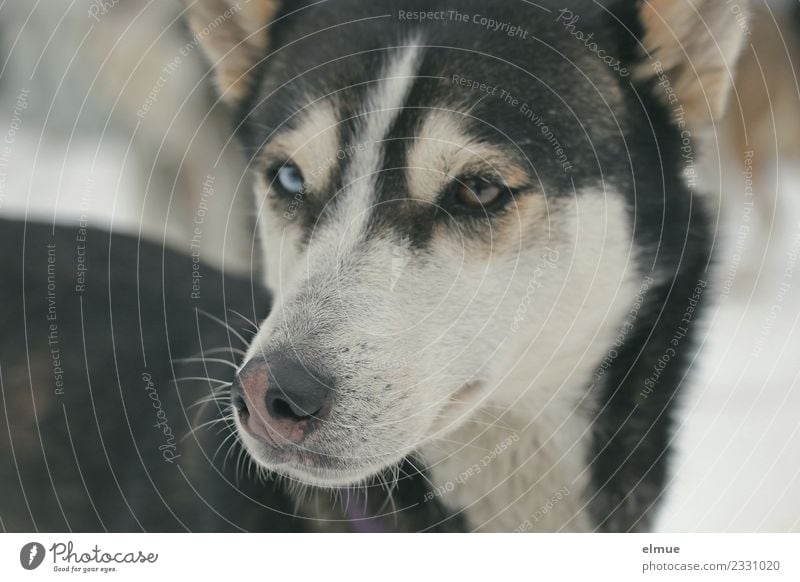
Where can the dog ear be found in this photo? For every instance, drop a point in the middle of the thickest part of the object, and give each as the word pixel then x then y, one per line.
pixel 692 47
pixel 234 35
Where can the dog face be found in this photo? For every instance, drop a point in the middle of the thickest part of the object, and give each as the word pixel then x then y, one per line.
pixel 446 203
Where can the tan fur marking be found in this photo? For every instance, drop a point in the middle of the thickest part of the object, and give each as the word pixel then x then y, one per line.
pixel 697 43
pixel 442 152
pixel 234 36
pixel 313 146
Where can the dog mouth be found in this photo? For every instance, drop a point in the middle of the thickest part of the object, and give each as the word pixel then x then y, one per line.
pixel 300 462
pixel 309 467
pixel 305 450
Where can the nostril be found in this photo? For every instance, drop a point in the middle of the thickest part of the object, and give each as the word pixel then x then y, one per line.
pixel 279 407
pixel 240 405
pixel 295 391
pixel 248 391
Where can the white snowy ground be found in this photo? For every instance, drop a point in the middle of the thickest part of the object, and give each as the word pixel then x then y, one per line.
pixel 738 462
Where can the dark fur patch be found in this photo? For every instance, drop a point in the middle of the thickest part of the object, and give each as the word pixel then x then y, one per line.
pixel 83 361
pixel 617 136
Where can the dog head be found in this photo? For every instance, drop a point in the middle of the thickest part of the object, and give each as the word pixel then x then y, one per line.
pixel 448 203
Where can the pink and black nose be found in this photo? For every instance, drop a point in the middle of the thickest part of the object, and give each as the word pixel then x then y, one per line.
pixel 280 399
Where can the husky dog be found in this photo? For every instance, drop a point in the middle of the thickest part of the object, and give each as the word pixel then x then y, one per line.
pixel 480 228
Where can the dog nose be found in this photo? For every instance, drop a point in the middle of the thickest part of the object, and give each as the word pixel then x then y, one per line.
pixel 280 399
pixel 297 392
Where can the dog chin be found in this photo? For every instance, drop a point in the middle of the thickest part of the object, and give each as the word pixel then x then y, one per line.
pixel 326 478
pixel 308 469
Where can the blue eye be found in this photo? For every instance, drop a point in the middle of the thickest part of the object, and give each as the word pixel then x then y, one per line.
pixel 290 179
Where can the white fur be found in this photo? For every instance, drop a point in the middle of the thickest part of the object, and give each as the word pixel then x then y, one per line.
pixel 542 395
pixel 429 348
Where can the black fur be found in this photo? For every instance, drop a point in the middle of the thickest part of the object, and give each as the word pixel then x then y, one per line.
pixel 87 459
pixel 617 135
pixel 81 447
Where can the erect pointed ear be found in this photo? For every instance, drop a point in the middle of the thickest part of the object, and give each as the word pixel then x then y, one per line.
pixel 234 35
pixel 692 47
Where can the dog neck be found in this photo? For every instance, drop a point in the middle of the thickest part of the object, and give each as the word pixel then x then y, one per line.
pixel 519 461
pixel 507 473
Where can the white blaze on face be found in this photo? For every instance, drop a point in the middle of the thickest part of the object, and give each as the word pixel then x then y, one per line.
pixel 417 341
pixel 383 106
pixel 315 146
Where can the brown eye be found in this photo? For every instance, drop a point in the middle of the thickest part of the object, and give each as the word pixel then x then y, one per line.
pixel 477 193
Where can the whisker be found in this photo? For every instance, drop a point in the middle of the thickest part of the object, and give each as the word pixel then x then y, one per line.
pixel 419 471
pixel 231 449
pixel 222 350
pixel 225 324
pixel 389 489
pixel 227 438
pixel 213 398
pixel 470 420
pixel 221 383
pixel 220 394
pixel 242 456
pixel 203 360
pixel 207 424
pixel 212 422
pixel 473 446
pixel 246 319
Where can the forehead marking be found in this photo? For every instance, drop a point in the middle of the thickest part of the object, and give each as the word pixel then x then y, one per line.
pixel 383 106
pixel 443 150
